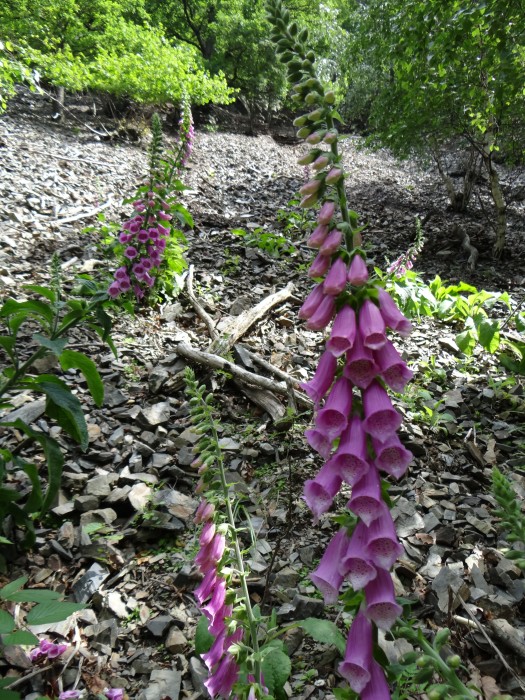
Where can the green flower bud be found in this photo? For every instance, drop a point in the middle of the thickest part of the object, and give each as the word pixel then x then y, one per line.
pixel 310 56
pixel 293 28
pixel 302 36
pixel 331 136
pixel 297 98
pixel 306 65
pixel 454 661
pixel 283 43
pixel 424 661
pixel 329 97
pixel 304 132
pixel 314 83
pixel 309 157
pixel 316 115
pixel 312 98
pixel 441 637
pixel 300 121
pixel 437 692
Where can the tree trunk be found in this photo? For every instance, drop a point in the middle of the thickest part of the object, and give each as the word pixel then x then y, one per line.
pixel 497 195
pixel 447 181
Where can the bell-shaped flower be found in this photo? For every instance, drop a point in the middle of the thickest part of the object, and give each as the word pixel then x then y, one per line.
pixel 318 236
pixel 371 325
pixel 319 441
pixel 381 605
pixel 357 273
pixel 218 623
pixel 382 544
pixel 312 301
pixel 351 459
pixel 224 677
pixel 334 176
pixel 358 654
pixel 327 576
pixel 207 533
pixel 332 419
pixel 366 497
pixel 381 418
pixel 326 212
pixel 360 367
pixel 392 456
pixel 392 316
pixel 331 243
pixel 377 688
pixel 204 512
pixel 335 280
pixel 322 315
pixel 322 380
pixel 216 603
pixel 355 564
pixel 392 367
pixel 220 646
pixel 206 587
pixel 319 267
pixel 211 554
pixel 163 230
pixel 114 290
pixel 343 333
pixel 320 492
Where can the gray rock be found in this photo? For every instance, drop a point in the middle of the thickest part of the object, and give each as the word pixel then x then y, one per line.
pixel 227 443
pixel 29 412
pixel 158 625
pixel 86 503
pixel 307 607
pixel 64 508
pixel 185 456
pixel 139 496
pixel 199 674
pixel 117 605
pixel 176 642
pixel 163 683
pixel 447 582
pixel 117 437
pixel 105 632
pixel 157 378
pixel 187 436
pixel 156 414
pixel 90 582
pixel 143 449
pixel 102 515
pixel 114 397
pixel 287 578
pixel 160 459
pixel 73 481
pixel 100 485
pixel 293 640
pixel 118 495
pixel 307 554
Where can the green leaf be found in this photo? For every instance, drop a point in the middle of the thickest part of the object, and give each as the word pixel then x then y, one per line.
pixel 488 335
pixel 8 343
pixel 9 694
pixel 35 500
pixel 21 637
pixel 324 631
pixel 203 639
pixel 52 611
pixel 7 623
pixel 466 342
pixel 44 291
pixel 70 359
pixel 65 408
pixel 15 585
pixel 37 595
pixel 56 346
pixel 276 667
pixel 33 307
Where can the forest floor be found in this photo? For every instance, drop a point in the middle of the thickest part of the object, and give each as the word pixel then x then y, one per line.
pixel 121 537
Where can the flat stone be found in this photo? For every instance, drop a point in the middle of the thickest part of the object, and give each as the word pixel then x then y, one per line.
pixel 118 495
pixel 64 509
pixel 74 481
pixel 158 625
pixel 117 437
pixel 156 414
pixel 307 607
pixel 287 577
pixel 163 684
pixel 161 459
pixel 114 397
pixel 90 582
pixel 188 436
pixel 100 485
pixel 139 496
pixel 176 642
pixel 86 503
pixel 199 675
pixel 178 504
pixel 102 515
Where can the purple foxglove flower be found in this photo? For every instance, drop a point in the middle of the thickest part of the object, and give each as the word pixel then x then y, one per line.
pixel 207 533
pixel 322 380
pixel 204 512
pixel 381 418
pixel 309 200
pixel 351 459
pixel 332 419
pixel 206 587
pixel 332 242
pixel 163 216
pixel 334 176
pixel 56 650
pixel 331 136
pixel 360 367
pixel 382 545
pixel 355 564
pixel 319 267
pixel 343 332
pixel 320 492
pixel 326 213
pixel 319 441
pixel 125 285
pixel 392 316
pixel 216 603
pixel 222 680
pixel 335 280
pixel 392 456
pixel 121 273
pixel 320 162
pixel 134 227
pixel 377 688
pixel 148 279
pixel 114 693
pixel 322 315
pixel 381 606
pixel 392 367
pixel 217 625
pixel 151 202
pixel 310 187
pixel 138 291
pixel 69 694
pixel 138 270
pixel 153 234
pixel 212 657
pixel 163 230
pixel 358 654
pixel 371 326
pixel 327 576
pixel 161 244
pixel 124 237
pixel 36 654
pixel 366 497
pixel 211 553
pixel 316 137
pixel 127 224
pixel 318 236
pixel 142 236
pixel 357 274
pixel 114 290
pixel 131 252
pixel 146 263
pixel 139 205
pixel 312 302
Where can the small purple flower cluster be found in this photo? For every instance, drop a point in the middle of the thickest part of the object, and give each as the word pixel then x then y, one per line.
pixel 144 236
pixel 358 414
pixel 110 693
pixel 222 666
pixel 48 650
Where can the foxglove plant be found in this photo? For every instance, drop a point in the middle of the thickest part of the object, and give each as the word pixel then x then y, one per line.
pixel 356 427
pixel 150 244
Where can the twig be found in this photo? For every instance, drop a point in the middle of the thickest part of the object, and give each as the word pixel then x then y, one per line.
pixel 271 368
pixel 82 215
pixel 208 321
pixel 66 109
pixel 70 159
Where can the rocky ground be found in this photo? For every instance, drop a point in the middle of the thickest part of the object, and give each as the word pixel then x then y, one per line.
pixel 121 537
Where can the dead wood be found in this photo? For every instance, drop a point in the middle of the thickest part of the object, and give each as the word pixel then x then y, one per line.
pixel 201 312
pixel 83 215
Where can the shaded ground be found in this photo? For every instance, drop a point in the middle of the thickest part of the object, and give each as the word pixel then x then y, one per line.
pixel 125 510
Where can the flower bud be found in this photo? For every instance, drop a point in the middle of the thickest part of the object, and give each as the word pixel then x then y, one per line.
pixel 326 212
pixel 304 132
pixel 329 97
pixel 309 200
pixel 316 115
pixel 358 275
pixel 300 121
pixel 310 187
pixel 318 236
pixel 442 636
pixel 309 157
pixel 331 136
pixel 334 176
pixel 331 243
pixel 316 137
pixel 321 162
pixel 454 661
pixel 312 97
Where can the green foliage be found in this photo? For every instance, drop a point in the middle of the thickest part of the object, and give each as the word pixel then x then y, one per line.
pixel 275 244
pixel 276 668
pixel 12 71
pixel 511 514
pixel 324 631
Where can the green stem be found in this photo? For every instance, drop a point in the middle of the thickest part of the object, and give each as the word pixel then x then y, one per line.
pixel 341 192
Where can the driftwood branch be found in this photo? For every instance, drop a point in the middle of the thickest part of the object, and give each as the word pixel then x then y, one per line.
pixel 467 246
pixel 83 215
pixel 204 315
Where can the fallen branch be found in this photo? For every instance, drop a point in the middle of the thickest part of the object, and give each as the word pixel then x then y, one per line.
pixel 467 246
pixel 82 215
pixel 269 367
pixel 204 315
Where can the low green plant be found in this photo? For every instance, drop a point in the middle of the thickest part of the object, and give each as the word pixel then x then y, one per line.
pixel 49 319
pixel 275 244
pixel 511 515
pixel 295 222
